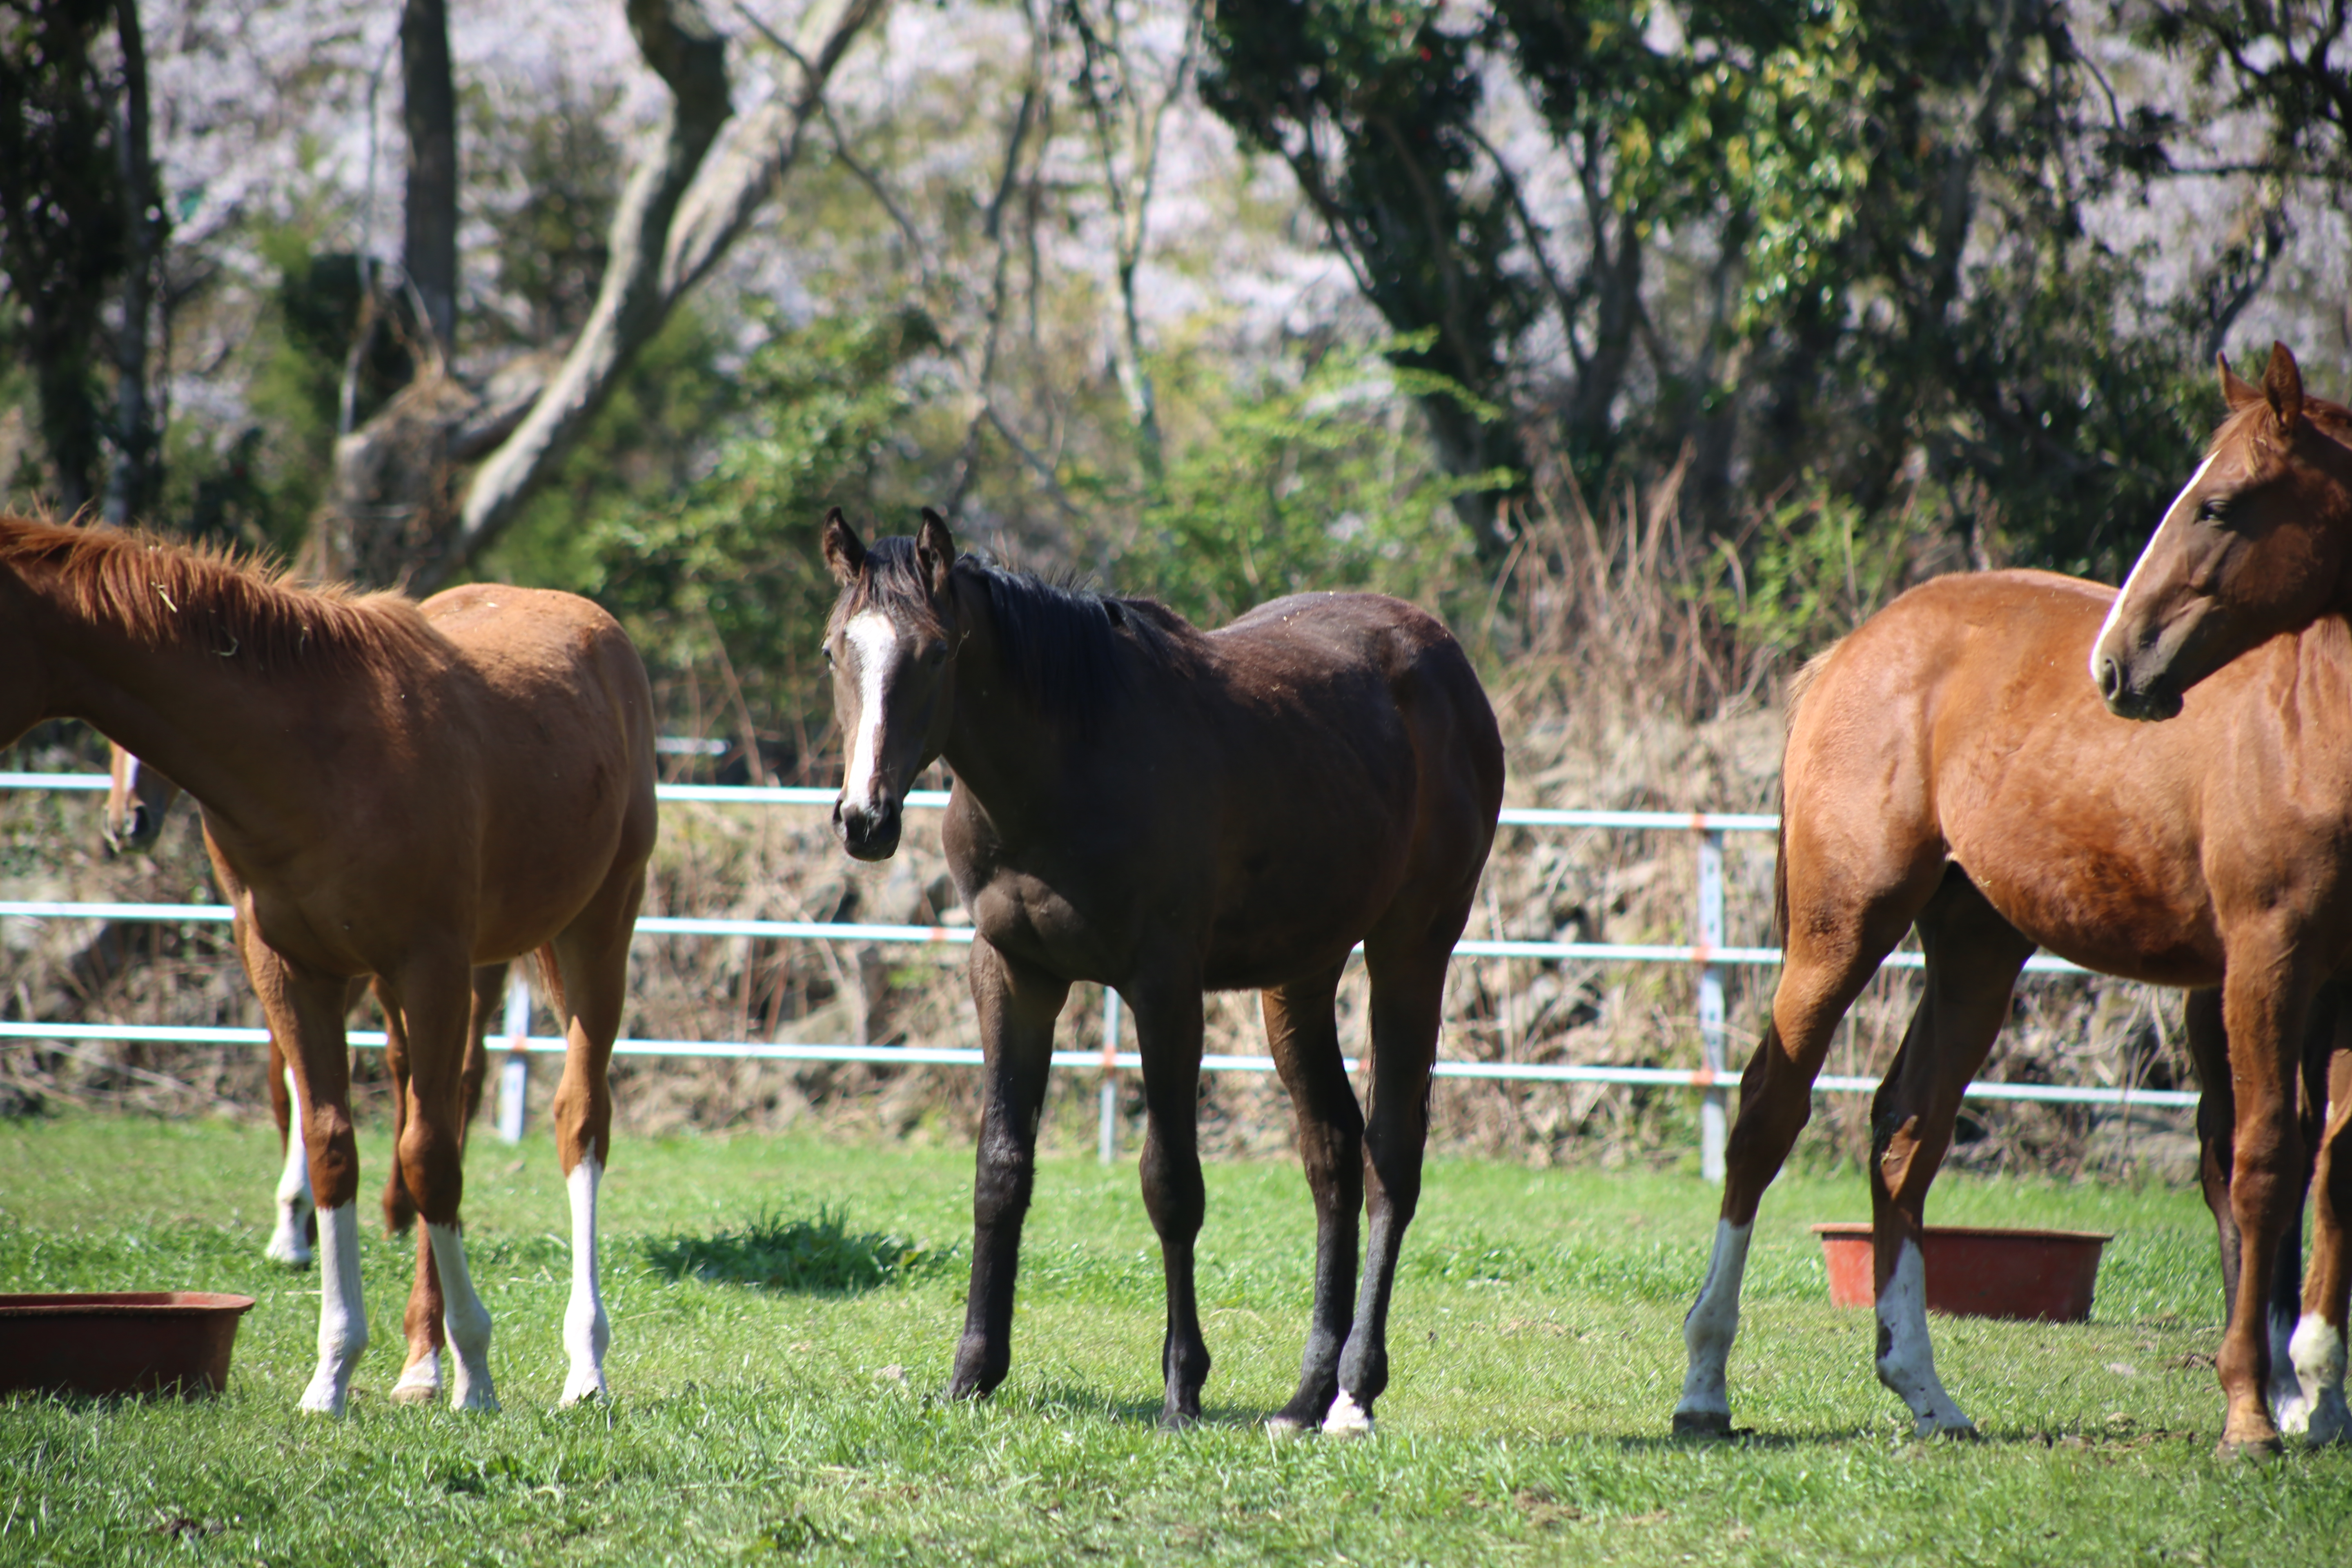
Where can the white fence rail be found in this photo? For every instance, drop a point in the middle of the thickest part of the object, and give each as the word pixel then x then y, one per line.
pixel 1709 953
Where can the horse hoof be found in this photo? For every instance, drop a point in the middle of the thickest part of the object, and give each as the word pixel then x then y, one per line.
pixel 586 1391
pixel 1348 1418
pixel 285 1254
pixel 1928 1431
pixel 1179 1421
pixel 2249 1450
pixel 1288 1426
pixel 419 1392
pixel 1702 1422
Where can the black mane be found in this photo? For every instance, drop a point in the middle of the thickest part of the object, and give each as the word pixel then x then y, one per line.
pixel 1060 644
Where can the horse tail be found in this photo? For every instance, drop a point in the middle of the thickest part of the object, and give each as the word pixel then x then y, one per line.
pixel 1800 684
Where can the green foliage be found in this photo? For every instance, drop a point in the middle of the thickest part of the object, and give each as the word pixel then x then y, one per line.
pixel 1818 571
pixel 1317 479
pixel 817 1255
pixel 730 570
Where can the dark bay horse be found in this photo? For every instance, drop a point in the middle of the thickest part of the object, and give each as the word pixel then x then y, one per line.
pixel 138 801
pixel 389 791
pixel 1167 812
pixel 1948 767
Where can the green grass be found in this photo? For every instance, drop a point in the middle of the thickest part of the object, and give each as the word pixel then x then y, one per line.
pixel 783 1308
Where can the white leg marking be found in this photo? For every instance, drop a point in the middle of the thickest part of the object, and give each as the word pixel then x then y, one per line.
pixel 2289 1409
pixel 1348 1418
pixel 871 635
pixel 342 1318
pixel 2316 1351
pixel 465 1321
pixel 1709 1328
pixel 288 1244
pixel 2123 592
pixel 586 1331
pixel 420 1381
pixel 1906 1364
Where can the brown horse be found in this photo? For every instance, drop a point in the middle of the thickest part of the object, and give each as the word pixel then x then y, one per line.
pixel 389 791
pixel 1947 767
pixel 1167 812
pixel 138 801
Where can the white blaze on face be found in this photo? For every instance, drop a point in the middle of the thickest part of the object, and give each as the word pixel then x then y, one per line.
pixel 1907 1363
pixel 342 1318
pixel 2123 592
pixel 873 636
pixel 586 1331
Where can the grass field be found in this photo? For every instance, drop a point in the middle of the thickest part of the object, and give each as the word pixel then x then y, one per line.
pixel 784 1308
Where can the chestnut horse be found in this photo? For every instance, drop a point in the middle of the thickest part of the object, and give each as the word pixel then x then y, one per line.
pixel 1948 767
pixel 1167 812
pixel 138 801
pixel 389 791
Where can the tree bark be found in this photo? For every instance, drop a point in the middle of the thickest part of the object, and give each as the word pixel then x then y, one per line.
pixel 131 487
pixel 429 114
pixel 684 206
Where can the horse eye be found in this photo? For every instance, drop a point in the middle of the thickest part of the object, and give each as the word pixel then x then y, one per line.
pixel 826 649
pixel 936 655
pixel 2216 509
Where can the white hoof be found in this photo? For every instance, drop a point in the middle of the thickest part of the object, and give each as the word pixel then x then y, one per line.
pixel 1347 1419
pixel 420 1381
pixel 290 1249
pixel 327 1394
pixel 584 1385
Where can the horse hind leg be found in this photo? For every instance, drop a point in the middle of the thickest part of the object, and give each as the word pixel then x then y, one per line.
pixel 1407 973
pixel 1832 951
pixel 297 1213
pixel 2316 1351
pixel 1304 1035
pixel 588 967
pixel 1973 959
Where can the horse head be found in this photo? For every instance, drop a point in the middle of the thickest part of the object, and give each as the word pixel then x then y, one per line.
pixel 2254 546
pixel 891 646
pixel 138 797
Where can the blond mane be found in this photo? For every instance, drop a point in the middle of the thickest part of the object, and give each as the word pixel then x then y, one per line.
pixel 160 593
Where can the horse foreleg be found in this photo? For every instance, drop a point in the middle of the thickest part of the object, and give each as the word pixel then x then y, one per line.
pixel 1168 1024
pixel 289 1239
pixel 305 1011
pixel 428 1000
pixel 1304 1036
pixel 1973 959
pixel 2316 1350
pixel 2263 1016
pixel 1017 1006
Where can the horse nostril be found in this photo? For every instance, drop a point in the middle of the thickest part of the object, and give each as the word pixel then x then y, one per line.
pixel 2111 678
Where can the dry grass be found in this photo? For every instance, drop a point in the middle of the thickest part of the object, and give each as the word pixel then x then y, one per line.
pixel 1616 687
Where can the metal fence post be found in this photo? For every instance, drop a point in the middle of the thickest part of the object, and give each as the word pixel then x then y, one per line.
pixel 1712 1099
pixel 514 1076
pixel 1109 1138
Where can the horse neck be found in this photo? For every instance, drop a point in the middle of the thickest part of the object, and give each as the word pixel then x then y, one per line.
pixel 212 725
pixel 1001 750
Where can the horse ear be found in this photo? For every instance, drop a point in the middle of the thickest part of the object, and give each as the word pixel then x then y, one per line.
pixel 2236 390
pixel 2283 384
pixel 935 550
pixel 843 552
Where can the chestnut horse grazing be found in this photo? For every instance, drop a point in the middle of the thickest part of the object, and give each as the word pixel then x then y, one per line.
pixel 1167 812
pixel 138 801
pixel 1947 766
pixel 392 791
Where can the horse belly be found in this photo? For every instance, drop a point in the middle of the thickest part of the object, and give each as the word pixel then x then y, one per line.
pixel 2121 902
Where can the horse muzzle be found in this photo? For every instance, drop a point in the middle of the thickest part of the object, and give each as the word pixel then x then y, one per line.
pixel 2149 701
pixel 868 832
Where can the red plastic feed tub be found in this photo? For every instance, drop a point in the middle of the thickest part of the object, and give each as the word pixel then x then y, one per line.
pixel 1978 1271
pixel 119 1341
